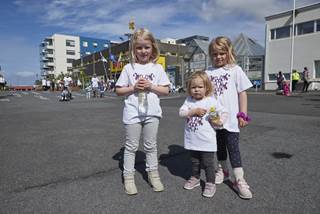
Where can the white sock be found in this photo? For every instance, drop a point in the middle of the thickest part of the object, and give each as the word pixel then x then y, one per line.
pixel 238 173
pixel 223 165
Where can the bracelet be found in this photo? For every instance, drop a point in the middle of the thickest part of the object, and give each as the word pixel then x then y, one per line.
pixel 244 116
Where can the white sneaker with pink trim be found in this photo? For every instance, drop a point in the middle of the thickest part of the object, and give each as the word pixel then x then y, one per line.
pixel 242 188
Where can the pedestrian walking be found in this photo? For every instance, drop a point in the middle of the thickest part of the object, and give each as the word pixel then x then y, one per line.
pixel 142 81
pixel 199 134
pixel 230 84
pixel 280 80
pixel 305 78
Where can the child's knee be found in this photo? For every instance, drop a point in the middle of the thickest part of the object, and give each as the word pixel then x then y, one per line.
pixel 132 145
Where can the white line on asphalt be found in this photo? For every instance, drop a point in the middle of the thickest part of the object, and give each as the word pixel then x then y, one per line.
pixel 5 100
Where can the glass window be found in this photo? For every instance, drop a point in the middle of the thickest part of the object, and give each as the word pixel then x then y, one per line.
pixel 318 25
pixel 70 43
pixel 306 27
pixel 272 34
pixel 317 68
pixel 106 45
pixel 71 52
pixel 85 44
pixel 272 77
pixel 95 44
pixel 69 60
pixel 283 32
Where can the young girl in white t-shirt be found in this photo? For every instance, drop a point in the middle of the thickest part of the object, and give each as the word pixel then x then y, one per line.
pixel 142 81
pixel 199 132
pixel 230 83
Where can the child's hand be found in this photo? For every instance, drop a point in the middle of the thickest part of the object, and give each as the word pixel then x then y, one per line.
pixel 200 112
pixel 146 84
pixel 216 123
pixel 242 122
pixel 139 86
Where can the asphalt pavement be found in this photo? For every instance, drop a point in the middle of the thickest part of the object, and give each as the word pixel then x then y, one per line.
pixel 66 157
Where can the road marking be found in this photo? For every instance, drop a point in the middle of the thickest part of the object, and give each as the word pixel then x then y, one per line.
pixel 5 100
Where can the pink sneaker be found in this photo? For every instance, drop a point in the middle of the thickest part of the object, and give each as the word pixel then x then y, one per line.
pixel 242 188
pixel 192 183
pixel 209 190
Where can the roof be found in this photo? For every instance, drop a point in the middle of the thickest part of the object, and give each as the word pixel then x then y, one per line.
pixel 245 46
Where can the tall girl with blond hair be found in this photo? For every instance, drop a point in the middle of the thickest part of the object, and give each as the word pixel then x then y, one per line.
pixel 142 81
pixel 230 83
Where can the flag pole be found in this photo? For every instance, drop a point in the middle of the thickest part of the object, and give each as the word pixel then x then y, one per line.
pixel 292 41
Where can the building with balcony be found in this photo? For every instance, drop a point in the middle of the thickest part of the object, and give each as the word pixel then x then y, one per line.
pixel 58 51
pixel 305 42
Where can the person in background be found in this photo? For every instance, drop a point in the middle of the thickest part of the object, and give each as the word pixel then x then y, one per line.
pixel 280 80
pixel 306 79
pixel 95 85
pixel 295 79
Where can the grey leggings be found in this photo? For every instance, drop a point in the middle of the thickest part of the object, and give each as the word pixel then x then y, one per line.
pixel 133 131
pixel 205 159
pixel 229 141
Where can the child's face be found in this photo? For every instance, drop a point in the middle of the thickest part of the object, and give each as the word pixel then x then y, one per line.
pixel 143 50
pixel 219 58
pixel 197 88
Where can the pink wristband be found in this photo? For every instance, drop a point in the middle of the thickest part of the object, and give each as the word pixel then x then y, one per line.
pixel 244 116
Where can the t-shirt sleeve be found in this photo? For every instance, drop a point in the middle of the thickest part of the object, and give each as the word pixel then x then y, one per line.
pixel 242 81
pixel 123 80
pixel 163 79
pixel 184 109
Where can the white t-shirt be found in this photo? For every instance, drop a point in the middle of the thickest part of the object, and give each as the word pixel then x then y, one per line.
pixel 95 82
pixel 129 76
pixel 199 135
pixel 67 81
pixel 228 82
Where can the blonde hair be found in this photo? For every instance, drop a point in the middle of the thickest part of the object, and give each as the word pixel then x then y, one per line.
pixel 207 84
pixel 147 35
pixel 222 44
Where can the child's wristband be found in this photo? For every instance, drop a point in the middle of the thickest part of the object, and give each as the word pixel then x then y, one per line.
pixel 244 116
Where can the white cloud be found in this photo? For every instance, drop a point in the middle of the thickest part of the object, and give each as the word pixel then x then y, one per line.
pixel 25 74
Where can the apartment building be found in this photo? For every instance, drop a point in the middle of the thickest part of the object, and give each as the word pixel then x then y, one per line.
pixel 58 51
pixel 305 43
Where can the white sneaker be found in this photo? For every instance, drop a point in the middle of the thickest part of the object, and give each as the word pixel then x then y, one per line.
pixel 221 175
pixel 155 181
pixel 129 185
pixel 242 188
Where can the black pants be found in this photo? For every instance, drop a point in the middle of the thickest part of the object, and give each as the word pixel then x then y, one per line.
pixel 206 160
pixel 294 83
pixel 229 142
pixel 305 86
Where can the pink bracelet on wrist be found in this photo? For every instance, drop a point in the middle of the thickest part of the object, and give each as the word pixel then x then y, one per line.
pixel 244 116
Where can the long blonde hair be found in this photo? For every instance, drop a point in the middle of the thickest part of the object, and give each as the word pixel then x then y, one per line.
pixel 147 35
pixel 222 44
pixel 207 83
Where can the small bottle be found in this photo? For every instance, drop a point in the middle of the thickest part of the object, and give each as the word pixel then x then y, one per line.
pixel 214 116
pixel 142 103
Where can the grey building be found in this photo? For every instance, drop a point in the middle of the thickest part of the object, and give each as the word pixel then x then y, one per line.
pixel 305 43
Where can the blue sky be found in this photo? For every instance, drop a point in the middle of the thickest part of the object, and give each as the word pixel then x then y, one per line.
pixel 24 23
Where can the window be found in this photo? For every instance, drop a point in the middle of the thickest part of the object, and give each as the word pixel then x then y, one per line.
pixel 317 68
pixel 69 69
pixel 318 25
pixel 71 52
pixel 49 51
pixel 273 34
pixel 283 32
pixel 87 53
pixel 69 60
pixel 106 45
pixel 95 44
pixel 70 43
pixel 85 44
pixel 306 27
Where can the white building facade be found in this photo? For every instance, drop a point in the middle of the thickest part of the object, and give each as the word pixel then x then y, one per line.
pixel 58 51
pixel 305 43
